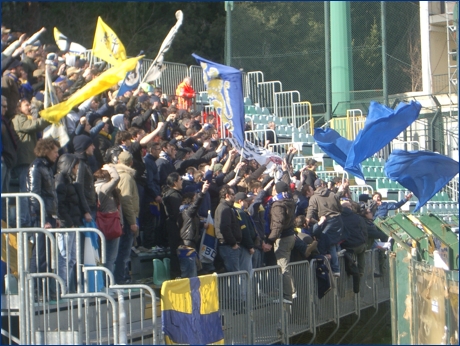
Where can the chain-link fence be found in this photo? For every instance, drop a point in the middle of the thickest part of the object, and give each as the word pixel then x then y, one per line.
pixel 286 40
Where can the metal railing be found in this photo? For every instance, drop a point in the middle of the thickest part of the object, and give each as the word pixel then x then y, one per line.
pixel 266 94
pixel 258 137
pixel 274 322
pixel 284 104
pixel 39 304
pixel 252 81
pixel 282 148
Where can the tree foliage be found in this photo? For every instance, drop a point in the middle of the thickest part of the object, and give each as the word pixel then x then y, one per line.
pixel 139 25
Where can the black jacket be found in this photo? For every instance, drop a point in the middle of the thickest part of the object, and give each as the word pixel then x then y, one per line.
pixel 189 222
pixel 282 217
pixel 354 229
pixel 248 232
pixel 68 199
pixel 153 188
pixel 257 212
pixel 172 201
pixel 165 168
pixel 41 181
pixel 85 182
pixel 228 230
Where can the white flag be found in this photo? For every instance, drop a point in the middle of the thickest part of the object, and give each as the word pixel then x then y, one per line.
pixel 157 66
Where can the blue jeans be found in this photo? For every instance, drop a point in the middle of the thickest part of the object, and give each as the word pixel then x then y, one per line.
pixel 111 253
pixel 330 237
pixel 67 257
pixel 188 267
pixel 6 177
pixel 245 260
pixel 23 172
pixel 124 250
pixel 230 257
pixel 257 259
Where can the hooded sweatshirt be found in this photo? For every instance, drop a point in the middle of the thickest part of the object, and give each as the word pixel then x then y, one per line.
pixel 323 203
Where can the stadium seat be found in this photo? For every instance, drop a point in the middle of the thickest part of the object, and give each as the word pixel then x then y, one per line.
pixel 265 111
pixel 247 101
pixel 159 272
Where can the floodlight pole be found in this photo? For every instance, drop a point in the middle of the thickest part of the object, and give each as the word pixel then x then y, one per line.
pixel 228 32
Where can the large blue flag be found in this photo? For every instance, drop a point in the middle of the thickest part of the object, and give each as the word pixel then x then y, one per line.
pixel 132 79
pixel 337 147
pixel 422 172
pixel 225 93
pixel 383 124
pixel 190 311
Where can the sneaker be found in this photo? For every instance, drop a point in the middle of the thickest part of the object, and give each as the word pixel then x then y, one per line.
pixel 159 250
pixel 341 252
pixel 294 296
pixel 136 251
pixel 311 247
pixel 337 275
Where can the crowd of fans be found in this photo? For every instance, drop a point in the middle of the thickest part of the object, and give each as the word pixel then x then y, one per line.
pixel 162 167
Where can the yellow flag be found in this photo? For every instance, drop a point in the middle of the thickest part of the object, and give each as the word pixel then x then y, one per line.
pixel 107 45
pixel 102 83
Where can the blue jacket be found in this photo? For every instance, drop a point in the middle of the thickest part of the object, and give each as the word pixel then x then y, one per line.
pixel 382 210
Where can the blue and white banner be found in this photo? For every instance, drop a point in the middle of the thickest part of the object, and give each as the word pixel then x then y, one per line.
pixel 132 79
pixel 225 94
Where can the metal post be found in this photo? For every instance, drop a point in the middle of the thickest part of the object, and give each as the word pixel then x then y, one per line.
pixel 341 58
pixel 228 33
pixel 327 52
pixel 384 52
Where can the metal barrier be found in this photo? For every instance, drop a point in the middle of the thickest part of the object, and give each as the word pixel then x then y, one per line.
pixel 300 318
pixel 196 74
pixel 303 116
pixel 282 148
pixel 284 105
pixel 266 94
pixel 258 137
pixel 252 81
pixel 329 175
pixel 355 122
pixel 172 76
pixel 235 303
pixel 357 190
pixel 267 314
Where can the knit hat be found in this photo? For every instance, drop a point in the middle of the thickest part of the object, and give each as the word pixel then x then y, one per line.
pixel 81 143
pixel 143 98
pixel 125 158
pixel 39 96
pixel 281 186
pixel 240 196
pixel 319 182
pixel 218 167
pixel 38 72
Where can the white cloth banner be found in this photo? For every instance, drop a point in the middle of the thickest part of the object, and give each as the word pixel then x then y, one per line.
pixel 157 66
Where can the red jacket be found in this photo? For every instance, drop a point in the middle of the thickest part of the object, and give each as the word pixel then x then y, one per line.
pixel 185 94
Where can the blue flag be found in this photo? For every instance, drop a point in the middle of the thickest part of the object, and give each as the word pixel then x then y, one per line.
pixel 131 80
pixel 190 311
pixel 225 93
pixel 383 124
pixel 422 172
pixel 337 147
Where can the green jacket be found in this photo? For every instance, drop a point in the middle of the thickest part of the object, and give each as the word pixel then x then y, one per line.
pixel 27 129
